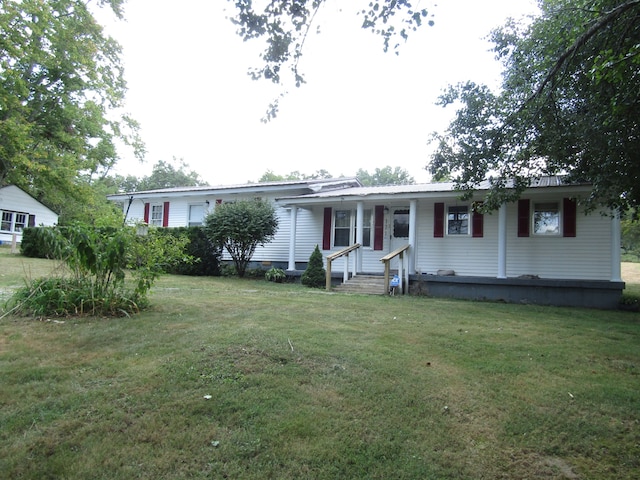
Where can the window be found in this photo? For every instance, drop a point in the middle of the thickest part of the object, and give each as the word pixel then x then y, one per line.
pixel 546 218
pixel 341 228
pixel 13 221
pixel 156 215
pixel 458 220
pixel 366 228
pixel 401 224
pixel 196 215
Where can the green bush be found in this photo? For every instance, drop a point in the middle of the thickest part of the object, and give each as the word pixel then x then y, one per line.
pixel 37 242
pixel 94 281
pixel 315 274
pixel 275 275
pixel 205 253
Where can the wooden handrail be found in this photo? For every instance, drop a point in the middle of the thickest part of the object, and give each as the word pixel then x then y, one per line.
pixel 387 261
pixel 333 256
pixel 395 253
pixel 342 252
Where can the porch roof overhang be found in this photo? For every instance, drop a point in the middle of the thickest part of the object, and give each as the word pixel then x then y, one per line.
pixel 420 191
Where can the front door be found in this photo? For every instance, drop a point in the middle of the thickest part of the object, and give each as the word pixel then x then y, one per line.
pixel 399 231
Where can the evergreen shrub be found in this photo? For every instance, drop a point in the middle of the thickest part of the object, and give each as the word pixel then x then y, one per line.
pixel 315 275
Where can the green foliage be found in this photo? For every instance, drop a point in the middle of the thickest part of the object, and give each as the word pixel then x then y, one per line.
pixel 166 175
pixel 36 242
pixel 630 227
pixel 61 86
pixel 203 256
pixel 570 103
pixel 96 261
pixel 240 227
pixel 284 26
pixel 275 275
pixel 385 176
pixel 315 275
pixel 269 176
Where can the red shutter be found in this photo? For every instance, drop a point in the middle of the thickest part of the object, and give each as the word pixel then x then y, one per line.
pixel 165 215
pixel 326 229
pixel 523 217
pixel 477 222
pixel 146 213
pixel 378 228
pixel 32 220
pixel 438 220
pixel 569 217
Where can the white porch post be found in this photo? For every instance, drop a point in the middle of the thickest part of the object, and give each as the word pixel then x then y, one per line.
pixel 293 215
pixel 616 273
pixel 502 241
pixel 359 235
pixel 413 215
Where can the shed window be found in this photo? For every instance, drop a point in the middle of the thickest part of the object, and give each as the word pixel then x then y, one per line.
pixel 13 221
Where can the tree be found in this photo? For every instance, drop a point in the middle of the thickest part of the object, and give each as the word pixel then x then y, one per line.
pixel 314 275
pixel 240 227
pixel 166 175
pixel 269 176
pixel 61 88
pixel 385 176
pixel 569 105
pixel 285 24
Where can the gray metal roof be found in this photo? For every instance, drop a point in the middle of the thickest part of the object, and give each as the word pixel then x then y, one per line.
pixel 311 185
pixel 445 189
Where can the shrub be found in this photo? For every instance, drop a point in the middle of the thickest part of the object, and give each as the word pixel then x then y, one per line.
pixel 94 280
pixel 240 227
pixel 315 274
pixel 205 253
pixel 37 242
pixel 275 275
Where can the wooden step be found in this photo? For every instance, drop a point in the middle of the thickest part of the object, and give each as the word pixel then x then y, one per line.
pixel 363 284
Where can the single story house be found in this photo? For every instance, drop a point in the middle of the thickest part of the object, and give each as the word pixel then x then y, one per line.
pixel 541 249
pixel 20 210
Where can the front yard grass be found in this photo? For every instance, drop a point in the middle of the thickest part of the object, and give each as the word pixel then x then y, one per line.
pixel 226 378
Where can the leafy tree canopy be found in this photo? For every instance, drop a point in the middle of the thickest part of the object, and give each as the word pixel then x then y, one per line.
pixel 385 176
pixel 569 105
pixel 269 176
pixel 240 227
pixel 61 87
pixel 285 24
pixel 168 174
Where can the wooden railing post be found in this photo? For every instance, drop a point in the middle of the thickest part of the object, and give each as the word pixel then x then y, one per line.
pixel 333 256
pixel 387 261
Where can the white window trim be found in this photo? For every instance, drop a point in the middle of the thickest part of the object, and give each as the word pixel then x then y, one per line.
pixel 446 221
pixel 14 216
pixel 152 221
pixel 352 227
pixel 557 233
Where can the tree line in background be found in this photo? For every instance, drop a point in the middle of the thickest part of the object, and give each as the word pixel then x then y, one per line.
pixel 568 103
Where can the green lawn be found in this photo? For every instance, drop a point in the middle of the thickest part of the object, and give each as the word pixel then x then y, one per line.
pixel 225 378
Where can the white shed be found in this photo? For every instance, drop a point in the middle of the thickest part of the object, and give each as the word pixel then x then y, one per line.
pixel 18 210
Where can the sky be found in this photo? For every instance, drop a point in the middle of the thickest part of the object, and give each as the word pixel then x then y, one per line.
pixel 361 108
